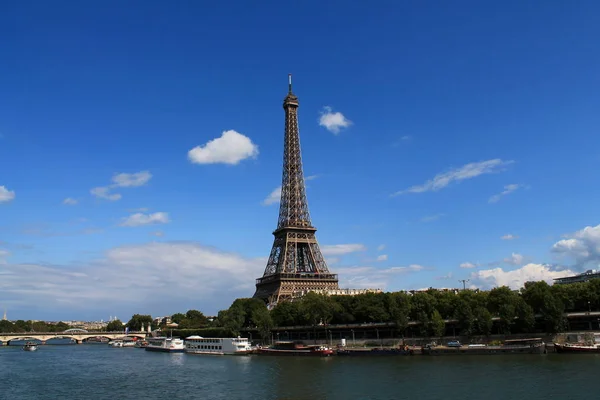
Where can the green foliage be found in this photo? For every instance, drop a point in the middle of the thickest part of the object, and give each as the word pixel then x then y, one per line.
pixel 317 308
pixel 137 320
pixel 21 326
pixel 262 319
pixel 192 319
pixel 204 332
pixel 114 326
pixel 437 326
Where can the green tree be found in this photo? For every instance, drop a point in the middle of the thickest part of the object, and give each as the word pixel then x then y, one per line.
pixel 502 303
pixel 287 313
pixel 137 320
pixel 6 327
pixel 483 321
pixel 262 319
pixel 466 319
pixel 437 326
pixel 317 308
pixel 399 310
pixel 177 318
pixel 114 326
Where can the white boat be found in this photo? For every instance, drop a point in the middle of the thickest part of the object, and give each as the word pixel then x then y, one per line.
pixel 116 343
pixel 165 344
pixel 30 346
pixel 217 346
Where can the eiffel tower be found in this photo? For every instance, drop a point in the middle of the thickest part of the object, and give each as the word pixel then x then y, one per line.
pixel 296 263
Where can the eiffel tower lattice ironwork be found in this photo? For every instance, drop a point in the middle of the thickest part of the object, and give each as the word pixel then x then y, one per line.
pixel 296 263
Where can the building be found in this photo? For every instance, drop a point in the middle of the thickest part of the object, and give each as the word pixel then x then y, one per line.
pixel 583 277
pixel 335 292
pixel 296 265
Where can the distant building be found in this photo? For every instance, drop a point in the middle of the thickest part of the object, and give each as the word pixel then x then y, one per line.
pixel 583 277
pixel 335 292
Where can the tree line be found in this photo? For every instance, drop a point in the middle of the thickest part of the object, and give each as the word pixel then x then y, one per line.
pixel 21 326
pixel 535 307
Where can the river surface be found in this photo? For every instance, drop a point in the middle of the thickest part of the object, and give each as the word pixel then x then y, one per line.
pixel 100 372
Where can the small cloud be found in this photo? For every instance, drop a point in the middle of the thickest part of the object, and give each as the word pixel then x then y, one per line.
pixel 102 192
pixel 332 260
pixel 6 195
pixel 140 219
pixel 467 171
pixel 141 209
pixel 231 148
pixel 508 189
pixel 122 180
pixel 381 247
pixel 403 139
pixel 509 237
pixel 445 277
pixel 273 197
pixel 341 249
pixel 515 259
pixel 382 257
pixel 131 180
pixel 3 255
pixel 69 201
pixel 157 233
pixel 432 218
pixel 468 265
pixel 333 121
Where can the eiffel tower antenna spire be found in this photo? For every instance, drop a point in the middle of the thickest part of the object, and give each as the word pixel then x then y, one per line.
pixel 295 263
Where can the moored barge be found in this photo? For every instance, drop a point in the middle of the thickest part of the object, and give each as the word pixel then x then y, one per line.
pixel 295 349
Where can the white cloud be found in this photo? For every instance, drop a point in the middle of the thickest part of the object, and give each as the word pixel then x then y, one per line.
pixel 231 148
pixel 333 121
pixel 131 180
pixel 3 255
pixel 508 189
pixel 332 260
pixel 381 247
pixel 583 246
pixel 158 233
pixel 122 180
pixel 367 277
pixel 515 279
pixel 102 192
pixel 509 237
pixel 155 278
pixel 468 265
pixel 70 201
pixel 382 257
pixel 431 218
pixel 515 259
pixel 341 249
pixel 445 277
pixel 273 198
pixel 467 171
pixel 140 219
pixel 6 195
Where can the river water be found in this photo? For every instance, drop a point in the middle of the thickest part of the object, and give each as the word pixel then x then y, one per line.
pixel 100 372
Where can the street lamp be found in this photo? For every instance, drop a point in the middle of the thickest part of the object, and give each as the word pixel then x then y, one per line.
pixel 589 306
pixel 353 339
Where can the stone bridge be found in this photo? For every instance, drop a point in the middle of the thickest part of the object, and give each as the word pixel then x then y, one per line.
pixel 79 337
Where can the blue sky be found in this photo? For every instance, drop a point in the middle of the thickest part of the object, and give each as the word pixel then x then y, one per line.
pixel 413 117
